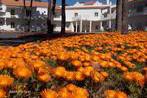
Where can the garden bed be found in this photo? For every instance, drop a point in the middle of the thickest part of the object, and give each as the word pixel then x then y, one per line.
pixel 107 65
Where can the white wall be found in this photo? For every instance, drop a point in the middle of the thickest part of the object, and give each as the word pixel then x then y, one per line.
pixel 3 8
pixel 85 14
pixel 42 10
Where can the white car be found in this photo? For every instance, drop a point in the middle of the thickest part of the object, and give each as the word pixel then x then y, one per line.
pixel 129 27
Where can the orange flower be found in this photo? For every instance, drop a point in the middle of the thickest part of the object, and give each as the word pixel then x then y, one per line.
pixel 71 87
pixel 2 93
pixel 62 56
pixel 69 75
pixel 128 76
pixel 86 71
pixel 114 94
pixel 120 94
pixel 44 77
pixel 60 71
pixel 22 72
pixel 47 93
pixel 38 64
pixel 64 93
pixel 81 93
pixel 135 76
pixel 105 74
pixel 110 93
pixel 96 76
pixel 76 63
pixel 6 80
pixel 79 76
pixel 72 91
pixel 124 68
pixel 2 65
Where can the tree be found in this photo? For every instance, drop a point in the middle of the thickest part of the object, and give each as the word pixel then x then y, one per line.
pixel 125 17
pixel 119 16
pixel 63 22
pixel 54 7
pixel 122 16
pixel 30 15
pixel 24 11
pixel 50 17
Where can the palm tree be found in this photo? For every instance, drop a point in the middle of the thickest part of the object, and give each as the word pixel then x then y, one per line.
pixel 122 16
pixel 125 17
pixel 24 11
pixel 50 17
pixel 119 16
pixel 63 22
pixel 54 7
pixel 24 3
pixel 30 15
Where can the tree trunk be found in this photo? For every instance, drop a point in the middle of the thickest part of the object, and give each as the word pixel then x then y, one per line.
pixel 63 22
pixel 119 16
pixel 54 7
pixel 24 11
pixel 50 17
pixel 125 17
pixel 30 16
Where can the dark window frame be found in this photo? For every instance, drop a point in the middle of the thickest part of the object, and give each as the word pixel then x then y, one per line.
pixel 12 25
pixel 76 14
pixel 96 14
pixel 12 12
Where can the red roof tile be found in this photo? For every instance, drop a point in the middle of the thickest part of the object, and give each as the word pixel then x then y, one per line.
pixel 20 3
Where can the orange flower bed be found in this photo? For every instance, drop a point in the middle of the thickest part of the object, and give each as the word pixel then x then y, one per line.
pixel 82 66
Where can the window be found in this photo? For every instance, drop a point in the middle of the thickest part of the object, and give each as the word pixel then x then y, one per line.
pixel 76 14
pixel 139 9
pixel 12 25
pixel 67 25
pixel 105 15
pixel 1 23
pixel 96 14
pixel 12 12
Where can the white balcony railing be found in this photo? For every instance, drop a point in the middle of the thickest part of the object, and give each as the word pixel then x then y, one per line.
pixel 57 18
pixel 76 18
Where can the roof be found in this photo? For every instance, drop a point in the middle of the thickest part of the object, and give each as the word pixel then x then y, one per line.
pixel 89 3
pixel 20 3
pixel 88 7
pixel 137 0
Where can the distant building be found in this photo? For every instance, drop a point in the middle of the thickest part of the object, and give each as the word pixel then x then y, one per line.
pixel 138 14
pixel 91 16
pixel 13 17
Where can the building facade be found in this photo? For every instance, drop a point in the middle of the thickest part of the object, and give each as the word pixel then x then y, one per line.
pixel 138 14
pixel 13 17
pixel 91 16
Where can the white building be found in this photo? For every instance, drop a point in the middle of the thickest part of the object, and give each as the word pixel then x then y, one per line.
pixel 13 17
pixel 90 16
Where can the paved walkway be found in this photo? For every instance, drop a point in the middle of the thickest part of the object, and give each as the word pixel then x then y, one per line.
pixel 13 39
pixel 11 35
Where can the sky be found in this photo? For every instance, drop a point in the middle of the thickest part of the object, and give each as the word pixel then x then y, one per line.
pixel 70 2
